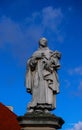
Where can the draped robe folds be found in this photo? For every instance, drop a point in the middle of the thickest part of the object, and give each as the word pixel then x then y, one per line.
pixel 42 81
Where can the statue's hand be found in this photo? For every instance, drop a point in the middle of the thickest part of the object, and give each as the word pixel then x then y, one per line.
pixel 47 64
pixel 32 62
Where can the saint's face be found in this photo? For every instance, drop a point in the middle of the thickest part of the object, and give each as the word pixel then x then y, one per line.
pixel 43 43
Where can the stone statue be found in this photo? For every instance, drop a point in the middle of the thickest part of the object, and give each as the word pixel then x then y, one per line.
pixel 42 79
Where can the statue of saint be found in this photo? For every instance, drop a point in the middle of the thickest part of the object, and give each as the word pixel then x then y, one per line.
pixel 42 79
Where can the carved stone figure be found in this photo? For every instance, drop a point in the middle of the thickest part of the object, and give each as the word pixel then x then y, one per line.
pixel 42 79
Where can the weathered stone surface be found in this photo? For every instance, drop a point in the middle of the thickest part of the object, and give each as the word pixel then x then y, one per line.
pixel 40 120
pixel 42 78
pixel 42 82
pixel 37 128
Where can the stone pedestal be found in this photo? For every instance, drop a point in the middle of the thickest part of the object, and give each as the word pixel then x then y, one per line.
pixel 37 128
pixel 40 121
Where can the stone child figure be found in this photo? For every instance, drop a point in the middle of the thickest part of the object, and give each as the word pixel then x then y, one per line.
pixel 42 79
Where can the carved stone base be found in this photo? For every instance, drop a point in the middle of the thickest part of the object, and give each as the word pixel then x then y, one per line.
pixel 40 121
pixel 37 128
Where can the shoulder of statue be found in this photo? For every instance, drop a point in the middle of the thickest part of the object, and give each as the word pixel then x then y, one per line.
pixel 35 53
pixel 50 51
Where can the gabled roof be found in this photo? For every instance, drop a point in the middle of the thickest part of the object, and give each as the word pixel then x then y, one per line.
pixel 8 119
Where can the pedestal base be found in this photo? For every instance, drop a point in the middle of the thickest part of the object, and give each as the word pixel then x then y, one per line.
pixel 37 128
pixel 40 121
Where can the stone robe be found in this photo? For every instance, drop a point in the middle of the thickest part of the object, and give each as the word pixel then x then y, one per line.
pixel 42 79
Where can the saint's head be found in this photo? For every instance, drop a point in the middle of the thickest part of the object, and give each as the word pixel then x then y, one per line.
pixel 43 42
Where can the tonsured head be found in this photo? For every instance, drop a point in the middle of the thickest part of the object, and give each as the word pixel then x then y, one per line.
pixel 43 42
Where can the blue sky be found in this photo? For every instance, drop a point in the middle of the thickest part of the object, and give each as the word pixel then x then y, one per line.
pixel 22 23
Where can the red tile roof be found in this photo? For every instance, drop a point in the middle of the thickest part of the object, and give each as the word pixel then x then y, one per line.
pixel 8 119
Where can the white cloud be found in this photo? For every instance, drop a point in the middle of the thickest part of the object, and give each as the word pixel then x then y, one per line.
pixel 22 36
pixel 51 18
pixel 67 83
pixel 80 86
pixel 77 70
pixel 77 126
pixel 70 8
pixel 79 91
pixel 10 32
pixel 47 22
